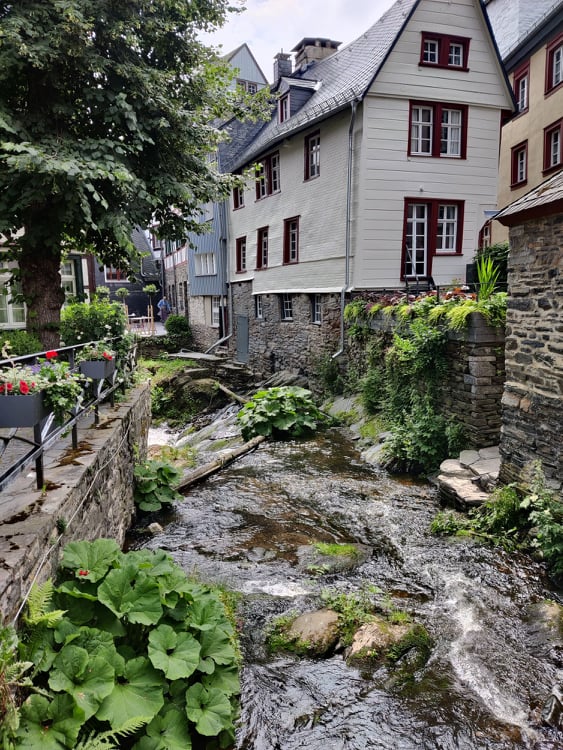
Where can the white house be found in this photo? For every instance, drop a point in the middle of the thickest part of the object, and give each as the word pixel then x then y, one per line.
pixel 376 169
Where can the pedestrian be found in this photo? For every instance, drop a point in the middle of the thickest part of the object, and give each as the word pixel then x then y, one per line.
pixel 164 308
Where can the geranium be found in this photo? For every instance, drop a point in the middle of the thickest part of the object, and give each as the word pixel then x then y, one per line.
pixel 96 351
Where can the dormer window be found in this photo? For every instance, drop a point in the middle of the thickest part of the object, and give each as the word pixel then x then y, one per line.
pixel 443 51
pixel 283 111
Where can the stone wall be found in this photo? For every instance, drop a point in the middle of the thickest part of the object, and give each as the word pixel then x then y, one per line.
pixel 276 344
pixel 204 336
pixel 88 494
pixel 532 417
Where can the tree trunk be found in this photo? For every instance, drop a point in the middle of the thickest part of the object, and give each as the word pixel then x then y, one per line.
pixel 42 291
pixel 213 466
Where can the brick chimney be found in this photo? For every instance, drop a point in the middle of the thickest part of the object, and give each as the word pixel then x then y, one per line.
pixel 282 66
pixel 312 49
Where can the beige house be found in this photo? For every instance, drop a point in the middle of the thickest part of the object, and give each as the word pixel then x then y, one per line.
pixel 530 40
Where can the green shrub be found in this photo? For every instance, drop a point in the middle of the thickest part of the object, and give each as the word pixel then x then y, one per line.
pixel 179 333
pixel 154 485
pixel 21 342
pixel 92 321
pixel 125 644
pixel 281 412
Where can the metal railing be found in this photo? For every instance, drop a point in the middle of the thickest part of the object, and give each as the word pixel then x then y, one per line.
pixel 26 449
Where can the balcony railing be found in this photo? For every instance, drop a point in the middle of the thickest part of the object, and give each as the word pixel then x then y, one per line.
pixel 20 447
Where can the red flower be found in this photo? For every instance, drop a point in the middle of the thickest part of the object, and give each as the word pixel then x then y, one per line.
pixel 106 355
pixel 51 355
pixel 24 388
pixel 83 572
pixel 9 386
pixel 2 388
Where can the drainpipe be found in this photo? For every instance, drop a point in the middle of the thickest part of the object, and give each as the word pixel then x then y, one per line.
pixel 348 228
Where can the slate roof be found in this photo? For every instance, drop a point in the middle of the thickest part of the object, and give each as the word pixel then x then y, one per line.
pixel 344 76
pixel 545 199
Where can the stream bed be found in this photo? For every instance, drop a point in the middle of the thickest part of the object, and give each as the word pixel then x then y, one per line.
pixel 497 643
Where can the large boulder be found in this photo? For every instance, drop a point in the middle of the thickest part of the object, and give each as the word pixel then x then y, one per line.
pixel 314 633
pixel 374 639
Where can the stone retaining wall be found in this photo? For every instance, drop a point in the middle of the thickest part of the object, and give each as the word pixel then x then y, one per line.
pixel 532 416
pixel 88 494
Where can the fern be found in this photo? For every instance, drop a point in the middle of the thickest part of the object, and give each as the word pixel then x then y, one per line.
pixel 38 604
pixel 107 740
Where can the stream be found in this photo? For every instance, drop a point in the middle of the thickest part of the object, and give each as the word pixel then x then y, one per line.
pixel 497 644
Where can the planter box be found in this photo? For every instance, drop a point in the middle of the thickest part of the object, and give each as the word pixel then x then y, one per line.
pixel 98 369
pixel 22 411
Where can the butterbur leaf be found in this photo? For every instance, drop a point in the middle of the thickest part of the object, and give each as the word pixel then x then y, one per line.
pixel 209 709
pixel 225 679
pixel 167 731
pixel 217 645
pixel 206 613
pixel 49 725
pixel 95 557
pixel 176 654
pixel 87 680
pixel 126 591
pixel 139 692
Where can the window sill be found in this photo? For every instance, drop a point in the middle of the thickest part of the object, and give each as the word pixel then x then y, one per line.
pixel 517 185
pixel 554 168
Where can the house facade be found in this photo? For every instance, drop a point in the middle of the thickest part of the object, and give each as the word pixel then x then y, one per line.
pixel 377 169
pixel 530 39
pixel 197 272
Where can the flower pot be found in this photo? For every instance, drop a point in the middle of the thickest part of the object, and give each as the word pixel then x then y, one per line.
pixel 22 411
pixel 97 369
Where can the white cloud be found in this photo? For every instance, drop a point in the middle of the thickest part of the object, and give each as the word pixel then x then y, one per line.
pixel 270 26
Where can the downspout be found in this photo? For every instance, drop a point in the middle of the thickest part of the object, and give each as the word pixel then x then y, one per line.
pixel 348 228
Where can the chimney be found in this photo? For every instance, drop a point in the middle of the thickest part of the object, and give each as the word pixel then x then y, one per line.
pixel 282 66
pixel 312 49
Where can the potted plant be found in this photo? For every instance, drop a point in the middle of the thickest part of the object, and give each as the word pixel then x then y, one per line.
pixel 96 361
pixel 29 392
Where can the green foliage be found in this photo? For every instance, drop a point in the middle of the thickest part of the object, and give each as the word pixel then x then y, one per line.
pixel 515 519
pixel 12 678
pixel 90 147
pixel 281 412
pixel 139 651
pixel 154 485
pixel 179 333
pixel 21 342
pixel 336 550
pixel 122 293
pixel 92 321
pixel 354 610
pixel 499 254
pixel 329 376
pixel 487 273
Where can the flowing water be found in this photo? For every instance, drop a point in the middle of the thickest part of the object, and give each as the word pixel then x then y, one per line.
pixel 496 657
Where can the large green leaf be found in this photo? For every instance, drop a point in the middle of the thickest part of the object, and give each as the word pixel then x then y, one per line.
pixel 49 725
pixel 216 644
pixel 96 642
pixel 225 679
pixel 88 680
pixel 138 693
pixel 167 731
pixel 207 612
pixel 91 560
pixel 176 654
pixel 210 710
pixel 127 591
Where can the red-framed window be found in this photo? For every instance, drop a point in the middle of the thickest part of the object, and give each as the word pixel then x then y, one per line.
pixel 438 130
pixel 553 146
pixel 444 51
pixel 241 254
pixel 312 155
pixel 519 165
pixel 268 176
pixel 115 274
pixel 485 235
pixel 283 108
pixel 238 197
pixel 431 227
pixel 521 87
pixel 262 248
pixel 554 64
pixel 291 240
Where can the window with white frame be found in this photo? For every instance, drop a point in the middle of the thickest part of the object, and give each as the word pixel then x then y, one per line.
pixel 258 306
pixel 215 311
pixel 12 312
pixel 68 278
pixel 287 307
pixel 554 66
pixel 312 156
pixel 262 248
pixel 431 51
pixel 553 140
pixel 283 110
pixel 443 51
pixel 316 309
pixel 438 130
pixel 519 166
pixel 521 87
pixel 238 197
pixel 268 176
pixel 431 227
pixel 446 236
pixel 205 264
pixel 291 240
pixel 241 254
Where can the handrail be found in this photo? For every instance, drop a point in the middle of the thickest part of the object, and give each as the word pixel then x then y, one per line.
pixel 46 432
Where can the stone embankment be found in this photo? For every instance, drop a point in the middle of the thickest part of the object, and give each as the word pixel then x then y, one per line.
pixel 469 480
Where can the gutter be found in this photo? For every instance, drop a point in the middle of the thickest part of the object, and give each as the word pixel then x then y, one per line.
pixel 344 289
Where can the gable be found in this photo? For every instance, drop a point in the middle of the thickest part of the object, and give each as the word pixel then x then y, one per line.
pixel 484 83
pixel 247 68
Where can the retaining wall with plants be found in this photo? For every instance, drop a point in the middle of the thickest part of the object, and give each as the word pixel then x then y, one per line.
pixel 88 494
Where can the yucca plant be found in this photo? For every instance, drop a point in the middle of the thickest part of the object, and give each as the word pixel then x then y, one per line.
pixel 487 273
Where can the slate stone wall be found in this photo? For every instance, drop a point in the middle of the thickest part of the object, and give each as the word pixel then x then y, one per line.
pixel 88 494
pixel 532 417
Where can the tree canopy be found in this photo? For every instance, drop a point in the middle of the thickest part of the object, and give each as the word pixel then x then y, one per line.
pixel 107 122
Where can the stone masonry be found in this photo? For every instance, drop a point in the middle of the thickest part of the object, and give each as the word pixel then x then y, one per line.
pixel 88 494
pixel 531 406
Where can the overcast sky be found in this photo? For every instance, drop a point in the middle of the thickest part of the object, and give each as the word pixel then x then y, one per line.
pixel 270 26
